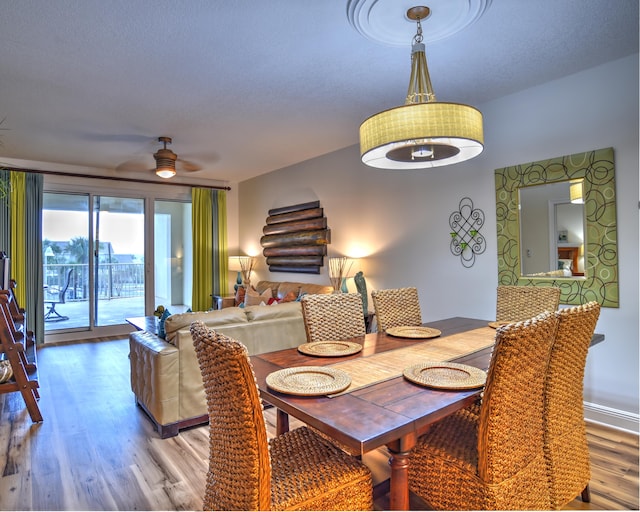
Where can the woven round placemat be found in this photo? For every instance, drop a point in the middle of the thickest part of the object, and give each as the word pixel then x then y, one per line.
pixel 330 348
pixel 438 374
pixel 413 332
pixel 495 325
pixel 309 380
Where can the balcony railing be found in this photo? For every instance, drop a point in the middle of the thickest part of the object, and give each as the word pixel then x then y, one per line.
pixel 114 281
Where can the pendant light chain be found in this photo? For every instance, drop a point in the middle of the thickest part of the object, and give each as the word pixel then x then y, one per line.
pixel 420 89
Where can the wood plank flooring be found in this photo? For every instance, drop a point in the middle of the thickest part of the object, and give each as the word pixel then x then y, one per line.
pixel 96 450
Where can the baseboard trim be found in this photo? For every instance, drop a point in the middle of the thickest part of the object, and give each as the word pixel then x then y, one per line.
pixel 615 418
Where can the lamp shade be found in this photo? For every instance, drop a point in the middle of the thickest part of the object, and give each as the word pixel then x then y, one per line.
pixel 234 264
pixel 575 192
pixel 421 135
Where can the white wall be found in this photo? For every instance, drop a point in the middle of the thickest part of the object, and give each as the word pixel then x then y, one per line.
pixel 400 219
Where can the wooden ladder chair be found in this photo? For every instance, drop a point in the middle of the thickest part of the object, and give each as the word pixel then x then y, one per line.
pixel 13 351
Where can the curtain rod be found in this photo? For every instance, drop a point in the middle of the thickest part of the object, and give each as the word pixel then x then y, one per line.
pixel 114 178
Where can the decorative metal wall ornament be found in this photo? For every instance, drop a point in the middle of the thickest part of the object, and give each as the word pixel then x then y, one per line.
pixel 466 239
pixel 295 238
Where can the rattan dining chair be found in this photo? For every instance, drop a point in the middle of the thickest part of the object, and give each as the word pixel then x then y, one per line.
pixel 396 307
pixel 294 471
pixel 333 316
pixel 565 435
pixel 517 303
pixel 494 460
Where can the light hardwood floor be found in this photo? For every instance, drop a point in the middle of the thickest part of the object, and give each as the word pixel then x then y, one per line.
pixel 96 450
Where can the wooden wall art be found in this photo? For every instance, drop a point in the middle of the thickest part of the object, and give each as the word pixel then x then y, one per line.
pixel 295 238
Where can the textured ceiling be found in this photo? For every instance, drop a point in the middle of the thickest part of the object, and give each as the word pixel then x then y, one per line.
pixel 246 87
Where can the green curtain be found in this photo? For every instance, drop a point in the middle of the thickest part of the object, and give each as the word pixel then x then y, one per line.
pixel 220 253
pixel 209 233
pixel 33 245
pixel 5 219
pixel 21 239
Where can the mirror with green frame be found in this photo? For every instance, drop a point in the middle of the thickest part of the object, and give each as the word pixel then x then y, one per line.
pixel 581 260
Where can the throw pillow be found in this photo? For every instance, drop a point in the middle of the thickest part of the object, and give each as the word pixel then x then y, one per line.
pixel 161 330
pixel 240 294
pixel 253 298
pixel 289 297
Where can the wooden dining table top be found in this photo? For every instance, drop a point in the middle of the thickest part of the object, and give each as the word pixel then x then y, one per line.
pixel 368 418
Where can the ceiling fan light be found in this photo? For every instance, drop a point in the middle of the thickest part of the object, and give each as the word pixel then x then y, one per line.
pixel 165 172
pixel 165 160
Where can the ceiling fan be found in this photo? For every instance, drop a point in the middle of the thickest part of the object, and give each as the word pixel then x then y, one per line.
pixel 167 163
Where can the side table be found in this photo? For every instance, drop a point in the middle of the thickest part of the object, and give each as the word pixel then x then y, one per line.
pixel 144 323
pixel 221 302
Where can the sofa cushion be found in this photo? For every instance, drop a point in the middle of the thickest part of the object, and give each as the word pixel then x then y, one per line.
pixel 211 318
pixel 284 310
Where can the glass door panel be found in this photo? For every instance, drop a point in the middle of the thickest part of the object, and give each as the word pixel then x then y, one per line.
pixel 65 245
pixel 172 255
pixel 118 259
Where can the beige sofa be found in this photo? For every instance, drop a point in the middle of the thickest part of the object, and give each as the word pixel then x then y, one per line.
pixel 165 376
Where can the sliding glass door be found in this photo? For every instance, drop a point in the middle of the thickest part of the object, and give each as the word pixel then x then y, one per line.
pixel 108 257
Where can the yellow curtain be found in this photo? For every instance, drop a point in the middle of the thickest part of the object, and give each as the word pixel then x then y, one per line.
pixel 202 234
pixel 18 239
pixel 209 233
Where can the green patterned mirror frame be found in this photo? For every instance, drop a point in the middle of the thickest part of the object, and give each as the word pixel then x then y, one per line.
pixel 601 248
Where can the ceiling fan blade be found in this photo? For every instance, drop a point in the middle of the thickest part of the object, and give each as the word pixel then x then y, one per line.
pixel 136 165
pixel 129 138
pixel 187 166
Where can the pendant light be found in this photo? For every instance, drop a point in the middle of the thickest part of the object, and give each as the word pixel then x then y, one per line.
pixel 576 195
pixel 423 132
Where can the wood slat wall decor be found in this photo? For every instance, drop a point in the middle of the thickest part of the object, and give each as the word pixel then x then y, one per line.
pixel 295 238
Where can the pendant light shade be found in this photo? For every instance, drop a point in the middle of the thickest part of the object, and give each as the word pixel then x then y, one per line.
pixel 423 132
pixel 575 192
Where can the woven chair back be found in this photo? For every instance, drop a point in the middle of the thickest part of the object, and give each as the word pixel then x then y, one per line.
pixel 566 448
pixel 517 303
pixel 333 316
pixel 510 429
pixel 239 476
pixel 396 307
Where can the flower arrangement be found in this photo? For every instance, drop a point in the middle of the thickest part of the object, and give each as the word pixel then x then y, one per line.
pixel 338 270
pixel 246 264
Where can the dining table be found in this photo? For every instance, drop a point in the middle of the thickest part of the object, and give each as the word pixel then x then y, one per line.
pixel 383 408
